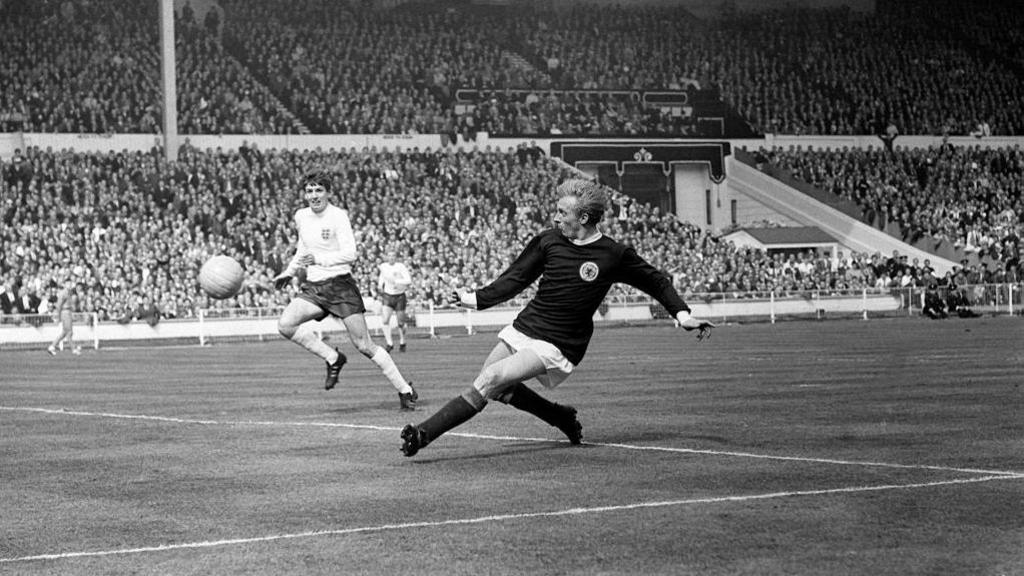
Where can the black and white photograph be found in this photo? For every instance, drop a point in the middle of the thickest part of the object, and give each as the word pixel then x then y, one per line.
pixel 512 287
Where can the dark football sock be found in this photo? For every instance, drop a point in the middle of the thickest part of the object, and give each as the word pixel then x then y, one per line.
pixel 457 411
pixel 525 399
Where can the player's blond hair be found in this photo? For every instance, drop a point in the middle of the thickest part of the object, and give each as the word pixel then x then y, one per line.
pixel 591 197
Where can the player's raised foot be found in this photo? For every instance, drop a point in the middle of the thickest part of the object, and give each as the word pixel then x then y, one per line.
pixel 333 370
pixel 401 347
pixel 571 426
pixel 413 439
pixel 407 401
pixel 51 350
pixel 388 348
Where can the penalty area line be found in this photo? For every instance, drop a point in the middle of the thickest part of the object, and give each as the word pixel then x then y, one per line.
pixel 502 518
pixel 669 449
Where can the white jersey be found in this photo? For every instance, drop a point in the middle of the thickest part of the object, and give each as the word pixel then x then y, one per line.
pixel 329 238
pixel 394 278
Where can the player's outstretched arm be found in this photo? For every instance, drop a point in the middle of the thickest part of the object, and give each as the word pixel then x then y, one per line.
pixel 689 323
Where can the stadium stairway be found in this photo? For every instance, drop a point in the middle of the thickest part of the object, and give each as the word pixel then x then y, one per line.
pixel 796 205
pixel 518 62
pixel 300 128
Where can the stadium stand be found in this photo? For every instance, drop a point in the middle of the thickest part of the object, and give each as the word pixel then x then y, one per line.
pixel 334 67
pixel 970 197
pixel 282 67
pixel 458 217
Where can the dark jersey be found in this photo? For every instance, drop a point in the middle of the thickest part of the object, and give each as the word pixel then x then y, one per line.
pixel 573 281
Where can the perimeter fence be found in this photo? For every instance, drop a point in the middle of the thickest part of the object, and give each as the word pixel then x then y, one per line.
pixel 210 326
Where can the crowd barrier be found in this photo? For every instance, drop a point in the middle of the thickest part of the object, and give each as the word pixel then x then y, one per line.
pixel 426 320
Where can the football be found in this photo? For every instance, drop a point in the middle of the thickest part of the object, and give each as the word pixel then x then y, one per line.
pixel 221 277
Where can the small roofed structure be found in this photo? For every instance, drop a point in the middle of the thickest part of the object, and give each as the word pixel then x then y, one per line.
pixel 785 239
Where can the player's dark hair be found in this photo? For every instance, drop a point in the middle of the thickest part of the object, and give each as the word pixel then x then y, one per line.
pixel 318 177
pixel 591 196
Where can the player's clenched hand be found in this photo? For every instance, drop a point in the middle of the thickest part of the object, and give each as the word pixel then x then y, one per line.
pixel 689 323
pixel 453 299
pixel 460 299
pixel 282 280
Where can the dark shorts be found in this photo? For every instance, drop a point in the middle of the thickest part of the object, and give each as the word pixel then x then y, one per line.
pixel 338 296
pixel 396 302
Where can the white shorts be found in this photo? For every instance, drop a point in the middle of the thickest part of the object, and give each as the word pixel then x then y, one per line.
pixel 558 368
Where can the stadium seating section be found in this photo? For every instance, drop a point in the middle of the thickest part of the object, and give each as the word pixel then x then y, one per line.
pixel 459 216
pixel 284 66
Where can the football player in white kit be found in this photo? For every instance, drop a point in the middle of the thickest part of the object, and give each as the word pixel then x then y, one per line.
pixel 393 281
pixel 326 250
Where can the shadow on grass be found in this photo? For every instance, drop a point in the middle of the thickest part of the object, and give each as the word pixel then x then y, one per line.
pixel 505 451
pixel 384 406
pixel 659 436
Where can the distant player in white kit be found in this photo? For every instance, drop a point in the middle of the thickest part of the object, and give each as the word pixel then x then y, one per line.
pixel 67 305
pixel 326 250
pixel 392 283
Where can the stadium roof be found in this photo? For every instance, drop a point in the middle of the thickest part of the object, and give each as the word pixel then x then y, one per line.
pixel 778 238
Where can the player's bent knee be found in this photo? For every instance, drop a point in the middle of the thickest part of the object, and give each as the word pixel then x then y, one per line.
pixel 490 384
pixel 286 330
pixel 474 398
pixel 366 347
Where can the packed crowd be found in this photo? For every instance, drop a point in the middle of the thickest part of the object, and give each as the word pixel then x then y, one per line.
pixel 554 113
pixel 94 67
pixel 995 26
pixel 83 68
pixel 133 229
pixel 363 72
pixel 837 72
pixel 341 68
pixel 216 94
pixel 972 197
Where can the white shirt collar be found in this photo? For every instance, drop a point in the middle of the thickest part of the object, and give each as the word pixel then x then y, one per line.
pixel 597 236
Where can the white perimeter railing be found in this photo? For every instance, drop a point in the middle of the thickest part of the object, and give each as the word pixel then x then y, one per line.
pixel 213 325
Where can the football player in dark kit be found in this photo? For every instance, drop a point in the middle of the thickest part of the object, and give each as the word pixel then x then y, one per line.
pixel 577 265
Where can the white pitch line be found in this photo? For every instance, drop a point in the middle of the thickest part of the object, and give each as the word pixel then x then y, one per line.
pixel 669 449
pixel 504 517
pixel 174 420
pixel 811 460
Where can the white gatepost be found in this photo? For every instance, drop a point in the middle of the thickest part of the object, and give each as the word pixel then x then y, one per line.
pixel 95 331
pixel 202 335
pixel 864 302
pixel 433 332
pixel 771 306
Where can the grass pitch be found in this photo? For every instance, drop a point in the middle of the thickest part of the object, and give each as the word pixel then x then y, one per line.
pixel 844 447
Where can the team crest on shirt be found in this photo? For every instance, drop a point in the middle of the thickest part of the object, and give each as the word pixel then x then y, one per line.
pixel 325 233
pixel 588 271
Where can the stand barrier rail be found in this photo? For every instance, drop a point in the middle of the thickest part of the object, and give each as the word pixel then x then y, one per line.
pixel 36 331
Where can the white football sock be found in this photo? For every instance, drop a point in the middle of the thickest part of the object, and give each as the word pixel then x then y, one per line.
pixel 308 339
pixel 387 366
pixel 387 335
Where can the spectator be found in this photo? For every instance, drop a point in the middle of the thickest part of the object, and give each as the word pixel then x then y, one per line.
pixel 889 135
pixel 934 305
